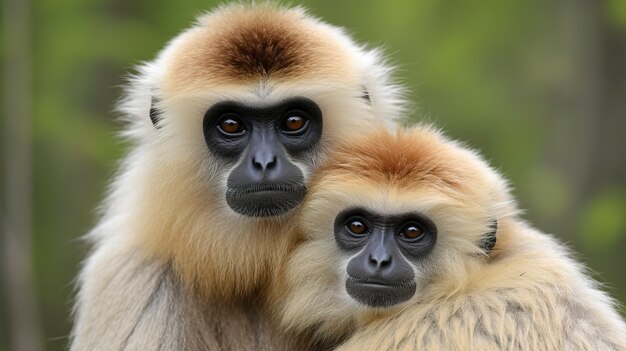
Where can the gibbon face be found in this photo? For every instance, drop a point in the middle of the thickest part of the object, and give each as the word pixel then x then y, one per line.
pixel 261 143
pixel 383 248
pixel 389 216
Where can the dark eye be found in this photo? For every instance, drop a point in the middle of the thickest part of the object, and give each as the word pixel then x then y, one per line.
pixel 294 122
pixel 357 226
pixel 231 125
pixel 412 231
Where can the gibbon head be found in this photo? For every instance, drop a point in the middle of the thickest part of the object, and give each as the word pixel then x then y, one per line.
pixel 247 102
pixel 391 218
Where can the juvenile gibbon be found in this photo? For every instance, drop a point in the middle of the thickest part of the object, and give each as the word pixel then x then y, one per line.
pixel 228 124
pixel 412 242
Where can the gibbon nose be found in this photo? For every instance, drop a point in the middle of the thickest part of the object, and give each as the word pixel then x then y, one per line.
pixel 264 161
pixel 265 154
pixel 379 261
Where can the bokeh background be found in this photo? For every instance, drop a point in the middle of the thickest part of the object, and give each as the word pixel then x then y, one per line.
pixel 537 85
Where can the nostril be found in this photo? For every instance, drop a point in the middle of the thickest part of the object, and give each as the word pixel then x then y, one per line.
pixel 256 164
pixel 272 164
pixel 385 263
pixel 380 263
pixel 263 164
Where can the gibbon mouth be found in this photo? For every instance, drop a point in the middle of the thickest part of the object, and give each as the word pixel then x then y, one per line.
pixel 375 292
pixel 264 200
pixel 268 187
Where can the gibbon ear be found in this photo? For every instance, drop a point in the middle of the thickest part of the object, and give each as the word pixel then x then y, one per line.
pixel 155 114
pixel 489 239
pixel 366 95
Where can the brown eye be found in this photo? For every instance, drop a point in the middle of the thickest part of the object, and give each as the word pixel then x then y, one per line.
pixel 412 231
pixel 294 123
pixel 231 125
pixel 357 227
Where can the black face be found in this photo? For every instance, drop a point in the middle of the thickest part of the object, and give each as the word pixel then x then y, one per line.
pixel 380 273
pixel 263 141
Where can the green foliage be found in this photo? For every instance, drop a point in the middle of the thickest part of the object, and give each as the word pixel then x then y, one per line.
pixel 604 222
pixel 616 11
pixel 547 192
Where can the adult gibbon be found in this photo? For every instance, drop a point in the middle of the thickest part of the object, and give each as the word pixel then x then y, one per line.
pixel 228 123
pixel 412 242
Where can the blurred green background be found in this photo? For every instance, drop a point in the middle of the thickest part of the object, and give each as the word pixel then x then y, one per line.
pixel 537 85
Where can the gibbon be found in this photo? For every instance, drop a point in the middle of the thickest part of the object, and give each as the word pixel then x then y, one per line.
pixel 412 242
pixel 228 123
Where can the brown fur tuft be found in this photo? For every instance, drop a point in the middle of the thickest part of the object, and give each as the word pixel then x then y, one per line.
pixel 404 159
pixel 242 44
pixel 262 48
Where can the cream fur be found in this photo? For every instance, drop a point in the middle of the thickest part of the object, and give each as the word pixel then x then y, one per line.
pixel 172 267
pixel 526 294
